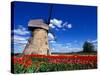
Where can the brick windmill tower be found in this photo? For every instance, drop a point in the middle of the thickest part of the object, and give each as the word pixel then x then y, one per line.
pixel 38 43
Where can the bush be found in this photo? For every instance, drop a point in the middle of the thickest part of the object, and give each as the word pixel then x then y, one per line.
pixel 43 67
pixel 31 69
pixel 52 67
pixel 18 68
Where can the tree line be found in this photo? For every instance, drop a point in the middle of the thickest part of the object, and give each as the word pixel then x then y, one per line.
pixel 88 47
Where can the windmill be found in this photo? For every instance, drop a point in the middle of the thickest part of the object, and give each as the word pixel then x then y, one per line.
pixel 38 43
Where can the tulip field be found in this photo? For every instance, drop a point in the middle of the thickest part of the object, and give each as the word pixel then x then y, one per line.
pixel 48 63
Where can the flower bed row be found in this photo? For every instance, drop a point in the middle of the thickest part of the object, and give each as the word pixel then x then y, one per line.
pixel 76 59
pixel 54 63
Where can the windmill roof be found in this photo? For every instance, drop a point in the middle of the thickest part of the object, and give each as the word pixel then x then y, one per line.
pixel 38 23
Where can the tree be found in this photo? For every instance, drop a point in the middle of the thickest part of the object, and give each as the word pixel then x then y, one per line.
pixel 88 47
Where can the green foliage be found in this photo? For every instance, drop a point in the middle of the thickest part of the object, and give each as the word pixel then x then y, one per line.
pixel 47 67
pixel 88 47
pixel 42 65
pixel 61 67
pixel 39 60
pixel 51 67
pixel 31 69
pixel 18 68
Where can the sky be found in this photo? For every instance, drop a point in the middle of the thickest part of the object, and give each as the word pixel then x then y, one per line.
pixel 70 25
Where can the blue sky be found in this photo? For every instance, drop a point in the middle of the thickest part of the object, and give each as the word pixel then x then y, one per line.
pixel 70 25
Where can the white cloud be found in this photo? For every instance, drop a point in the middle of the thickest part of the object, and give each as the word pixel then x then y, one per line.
pixel 51 26
pixel 19 39
pixel 67 48
pixel 55 24
pixel 21 30
pixel 94 41
pixel 51 37
pixel 63 29
pixel 20 42
pixel 69 26
pixel 68 44
pixel 64 24
pixel 74 49
pixel 52 41
pixel 56 29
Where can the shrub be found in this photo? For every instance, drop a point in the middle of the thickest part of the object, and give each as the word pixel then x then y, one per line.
pixel 18 68
pixel 43 67
pixel 31 69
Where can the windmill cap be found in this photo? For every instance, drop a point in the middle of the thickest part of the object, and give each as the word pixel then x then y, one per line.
pixel 38 23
